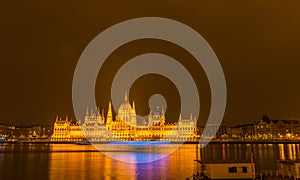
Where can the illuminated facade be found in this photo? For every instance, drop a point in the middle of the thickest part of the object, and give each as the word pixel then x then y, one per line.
pixel 269 129
pixel 126 126
pixel 65 130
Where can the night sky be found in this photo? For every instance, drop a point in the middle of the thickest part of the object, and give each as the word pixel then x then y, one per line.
pixel 257 43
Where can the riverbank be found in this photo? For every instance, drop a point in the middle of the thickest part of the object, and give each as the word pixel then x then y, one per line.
pixel 172 142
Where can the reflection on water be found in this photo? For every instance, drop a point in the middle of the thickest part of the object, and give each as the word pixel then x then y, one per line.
pixel 281 152
pixel 70 161
pixel 135 153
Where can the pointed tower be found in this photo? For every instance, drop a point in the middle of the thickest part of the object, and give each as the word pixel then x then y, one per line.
pixel 125 97
pixel 102 116
pixel 92 112
pixel 163 113
pixel 133 107
pixel 87 112
pixel 163 118
pixel 98 111
pixel 195 122
pixel 150 117
pixel 133 114
pixel 86 117
pixel 109 115
pixel 98 116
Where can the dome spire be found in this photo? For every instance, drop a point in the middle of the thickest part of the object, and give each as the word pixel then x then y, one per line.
pixel 133 107
pixel 87 111
pixel 126 97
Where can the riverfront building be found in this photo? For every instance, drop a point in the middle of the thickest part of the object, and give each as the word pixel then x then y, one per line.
pixel 125 126
pixel 65 130
pixel 32 132
pixel 269 129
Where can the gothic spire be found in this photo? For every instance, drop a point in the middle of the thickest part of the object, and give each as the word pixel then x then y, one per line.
pixel 133 106
pixel 126 97
pixel 109 114
pixel 162 110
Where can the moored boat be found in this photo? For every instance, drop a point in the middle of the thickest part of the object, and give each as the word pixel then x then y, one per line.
pixel 217 170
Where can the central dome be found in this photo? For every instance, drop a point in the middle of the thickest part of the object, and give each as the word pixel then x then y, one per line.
pixel 126 113
pixel 125 105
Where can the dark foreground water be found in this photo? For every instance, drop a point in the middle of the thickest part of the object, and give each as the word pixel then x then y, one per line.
pixel 70 161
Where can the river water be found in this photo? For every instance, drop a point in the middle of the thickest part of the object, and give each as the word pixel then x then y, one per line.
pixel 71 161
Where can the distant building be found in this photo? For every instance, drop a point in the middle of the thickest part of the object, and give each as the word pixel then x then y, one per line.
pixel 22 132
pixel 32 132
pixel 244 131
pixel 248 131
pixel 268 129
pixel 7 132
pixel 236 132
pixel 215 130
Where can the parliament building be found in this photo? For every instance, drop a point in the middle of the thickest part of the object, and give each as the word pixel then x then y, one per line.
pixel 125 126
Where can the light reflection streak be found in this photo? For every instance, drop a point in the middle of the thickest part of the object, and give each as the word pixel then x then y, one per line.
pixel 294 152
pixel 281 152
pixel 290 152
pixel 223 152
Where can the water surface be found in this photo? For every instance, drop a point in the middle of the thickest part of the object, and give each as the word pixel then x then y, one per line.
pixel 71 161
